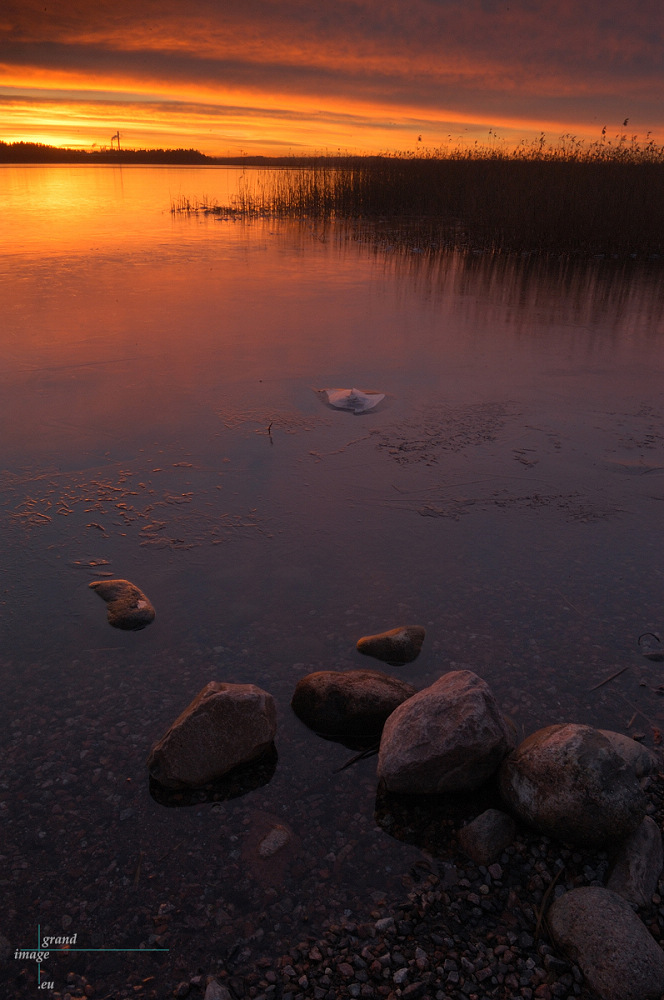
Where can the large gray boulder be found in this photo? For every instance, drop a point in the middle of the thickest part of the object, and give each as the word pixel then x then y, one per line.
pixel 226 725
pixel 450 737
pixel 348 703
pixel 578 784
pixel 599 931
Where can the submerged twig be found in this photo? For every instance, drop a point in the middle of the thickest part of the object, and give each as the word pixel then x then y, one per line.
pixel 545 897
pixel 362 755
pixel 169 851
pixel 610 678
pixel 572 606
pixel 637 711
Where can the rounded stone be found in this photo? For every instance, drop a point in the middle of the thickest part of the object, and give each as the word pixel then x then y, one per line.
pixel 450 737
pixel 578 784
pixel 599 931
pixel 348 703
pixel 225 726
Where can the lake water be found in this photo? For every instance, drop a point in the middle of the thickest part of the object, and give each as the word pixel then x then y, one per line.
pixel 160 423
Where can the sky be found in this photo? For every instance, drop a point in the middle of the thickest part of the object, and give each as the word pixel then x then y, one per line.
pixel 272 77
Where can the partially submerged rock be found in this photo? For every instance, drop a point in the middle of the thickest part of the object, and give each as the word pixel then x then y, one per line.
pixel 577 783
pixel 275 840
pixel 599 931
pixel 225 726
pixel 128 607
pixel 397 646
pixel 450 737
pixel 348 703
pixel 268 847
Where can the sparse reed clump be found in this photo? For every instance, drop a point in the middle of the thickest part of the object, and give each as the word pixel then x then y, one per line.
pixel 606 198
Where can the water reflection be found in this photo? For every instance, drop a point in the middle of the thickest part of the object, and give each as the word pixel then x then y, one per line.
pixel 239 782
pixel 58 211
pixel 512 288
pixel 432 822
pixel 507 498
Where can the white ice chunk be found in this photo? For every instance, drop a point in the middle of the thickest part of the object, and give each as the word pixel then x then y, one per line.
pixel 353 399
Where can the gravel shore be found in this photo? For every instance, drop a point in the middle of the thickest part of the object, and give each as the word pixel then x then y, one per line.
pixel 460 931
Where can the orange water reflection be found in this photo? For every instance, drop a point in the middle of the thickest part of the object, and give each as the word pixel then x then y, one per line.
pixel 522 401
pixel 507 495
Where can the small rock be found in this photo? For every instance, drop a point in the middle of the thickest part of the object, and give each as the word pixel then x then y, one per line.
pixel 599 931
pixel 487 836
pixel 226 725
pixel 215 991
pixel 638 865
pixel 414 990
pixel 128 607
pixel 348 703
pixel 398 646
pixel 277 838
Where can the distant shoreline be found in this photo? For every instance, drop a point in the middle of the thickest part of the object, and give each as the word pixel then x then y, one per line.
pixel 38 153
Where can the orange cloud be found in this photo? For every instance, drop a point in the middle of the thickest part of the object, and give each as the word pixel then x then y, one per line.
pixel 356 74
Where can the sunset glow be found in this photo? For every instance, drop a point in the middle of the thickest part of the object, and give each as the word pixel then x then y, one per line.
pixel 266 77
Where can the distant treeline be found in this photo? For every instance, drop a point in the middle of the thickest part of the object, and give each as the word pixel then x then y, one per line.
pixel 37 152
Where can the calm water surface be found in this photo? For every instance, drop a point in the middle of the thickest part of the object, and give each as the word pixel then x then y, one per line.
pixel 507 495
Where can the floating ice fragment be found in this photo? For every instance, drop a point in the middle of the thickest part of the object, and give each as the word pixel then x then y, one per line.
pixel 353 399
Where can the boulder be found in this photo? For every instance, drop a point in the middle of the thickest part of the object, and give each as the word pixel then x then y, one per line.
pixel 450 737
pixel 487 836
pixel 348 703
pixel 225 726
pixel 578 784
pixel 638 865
pixel 599 931
pixel 398 646
pixel 128 607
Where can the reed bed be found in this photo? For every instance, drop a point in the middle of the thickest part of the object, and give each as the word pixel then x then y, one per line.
pixel 607 198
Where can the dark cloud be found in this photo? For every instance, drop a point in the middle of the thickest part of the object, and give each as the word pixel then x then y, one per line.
pixel 556 60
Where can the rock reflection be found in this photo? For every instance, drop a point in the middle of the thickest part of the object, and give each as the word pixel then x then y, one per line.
pixel 432 822
pixel 238 782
